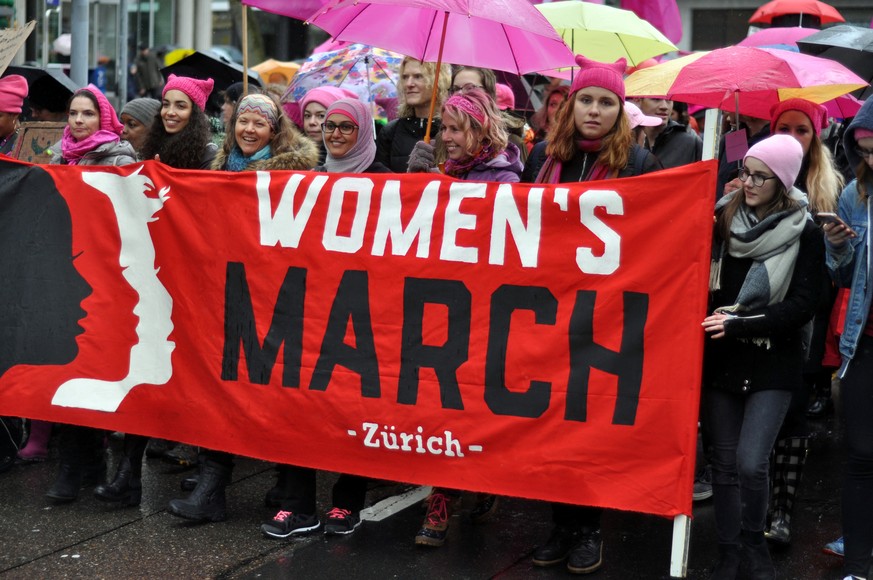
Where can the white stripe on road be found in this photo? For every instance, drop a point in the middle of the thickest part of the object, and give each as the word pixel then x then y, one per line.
pixel 394 504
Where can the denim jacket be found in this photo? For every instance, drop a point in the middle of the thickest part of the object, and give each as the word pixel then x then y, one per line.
pixel 849 265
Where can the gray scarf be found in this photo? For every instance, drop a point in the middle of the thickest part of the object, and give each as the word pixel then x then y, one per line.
pixel 772 244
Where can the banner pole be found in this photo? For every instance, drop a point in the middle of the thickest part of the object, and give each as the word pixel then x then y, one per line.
pixel 679 550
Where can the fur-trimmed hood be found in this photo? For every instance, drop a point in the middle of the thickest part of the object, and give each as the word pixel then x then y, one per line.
pixel 302 156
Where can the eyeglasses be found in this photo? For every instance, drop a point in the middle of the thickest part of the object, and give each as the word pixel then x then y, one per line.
pixel 344 128
pixel 456 89
pixel 757 179
pixel 864 153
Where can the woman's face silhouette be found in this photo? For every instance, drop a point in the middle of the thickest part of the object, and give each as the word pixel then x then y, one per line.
pixel 40 290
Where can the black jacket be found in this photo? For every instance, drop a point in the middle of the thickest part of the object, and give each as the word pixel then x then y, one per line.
pixel 397 138
pixel 640 161
pixel 675 146
pixel 737 365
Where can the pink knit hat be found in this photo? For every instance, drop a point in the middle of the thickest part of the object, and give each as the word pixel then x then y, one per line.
pixel 108 117
pixel 862 133
pixel 13 89
pixel 817 114
pixel 505 97
pixel 325 96
pixel 609 76
pixel 782 154
pixel 197 90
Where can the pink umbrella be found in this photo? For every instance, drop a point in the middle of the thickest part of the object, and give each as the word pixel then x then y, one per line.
pixel 751 80
pixel 299 9
pixel 507 35
pixel 843 107
pixel 787 35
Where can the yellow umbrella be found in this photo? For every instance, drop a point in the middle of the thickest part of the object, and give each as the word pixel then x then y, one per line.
pixel 655 81
pixel 605 33
pixel 277 71
pixel 175 56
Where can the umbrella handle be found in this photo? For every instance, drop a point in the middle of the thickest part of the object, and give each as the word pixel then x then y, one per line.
pixel 436 79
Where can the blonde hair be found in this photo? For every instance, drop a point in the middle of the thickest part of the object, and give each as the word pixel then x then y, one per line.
pixel 614 154
pixel 428 69
pixel 491 130
pixel 823 181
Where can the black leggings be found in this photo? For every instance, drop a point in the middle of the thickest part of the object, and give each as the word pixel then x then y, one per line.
pixel 856 396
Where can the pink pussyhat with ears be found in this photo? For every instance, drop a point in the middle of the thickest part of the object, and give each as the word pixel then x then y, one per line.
pixel 609 76
pixel 197 90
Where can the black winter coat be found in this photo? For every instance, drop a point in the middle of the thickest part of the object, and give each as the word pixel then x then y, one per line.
pixel 397 138
pixel 741 366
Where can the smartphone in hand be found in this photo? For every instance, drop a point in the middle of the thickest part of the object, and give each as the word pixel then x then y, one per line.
pixel 826 217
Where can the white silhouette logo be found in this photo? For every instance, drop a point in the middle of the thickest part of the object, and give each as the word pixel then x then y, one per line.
pixel 150 357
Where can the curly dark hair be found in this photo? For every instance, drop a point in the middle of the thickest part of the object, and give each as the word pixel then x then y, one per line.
pixel 183 150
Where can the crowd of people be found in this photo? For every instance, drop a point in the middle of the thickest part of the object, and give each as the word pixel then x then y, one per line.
pixel 790 249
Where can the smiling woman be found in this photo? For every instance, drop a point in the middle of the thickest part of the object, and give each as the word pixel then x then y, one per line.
pixel 263 138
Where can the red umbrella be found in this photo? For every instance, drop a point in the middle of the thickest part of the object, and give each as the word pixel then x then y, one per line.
pixel 770 10
pixel 751 80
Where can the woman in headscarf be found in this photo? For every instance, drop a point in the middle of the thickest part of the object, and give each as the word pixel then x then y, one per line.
pixel 348 131
pixel 93 133
pixel 92 137
pixel 314 106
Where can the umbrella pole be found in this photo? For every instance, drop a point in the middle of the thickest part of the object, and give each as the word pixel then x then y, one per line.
pixel 245 48
pixel 436 79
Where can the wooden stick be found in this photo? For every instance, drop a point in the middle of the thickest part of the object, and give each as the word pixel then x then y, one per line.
pixel 436 79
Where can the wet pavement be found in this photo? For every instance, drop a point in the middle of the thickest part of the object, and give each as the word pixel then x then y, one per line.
pixel 91 539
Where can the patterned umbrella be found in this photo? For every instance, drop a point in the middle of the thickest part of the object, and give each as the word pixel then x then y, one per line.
pixel 371 73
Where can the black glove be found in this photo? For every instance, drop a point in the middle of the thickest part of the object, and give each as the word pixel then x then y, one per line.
pixel 421 160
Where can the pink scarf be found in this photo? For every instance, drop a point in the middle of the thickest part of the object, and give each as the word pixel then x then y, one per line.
pixel 551 170
pixel 72 150
pixel 462 167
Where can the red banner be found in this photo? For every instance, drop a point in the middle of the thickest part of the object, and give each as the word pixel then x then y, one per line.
pixel 525 340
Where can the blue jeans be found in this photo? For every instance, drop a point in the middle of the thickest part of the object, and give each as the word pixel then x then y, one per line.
pixel 743 428
pixel 856 396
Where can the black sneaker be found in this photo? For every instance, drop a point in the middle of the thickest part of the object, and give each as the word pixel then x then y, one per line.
pixel 486 506
pixel 557 547
pixel 341 522
pixel 703 485
pixel 588 555
pixel 286 524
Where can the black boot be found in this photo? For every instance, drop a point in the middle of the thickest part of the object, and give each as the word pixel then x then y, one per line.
pixel 67 484
pixel 789 459
pixel 126 487
pixel 277 495
pixel 756 556
pixel 206 502
pixel 728 566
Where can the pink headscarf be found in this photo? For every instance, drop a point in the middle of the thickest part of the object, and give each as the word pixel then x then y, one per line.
pixel 110 129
